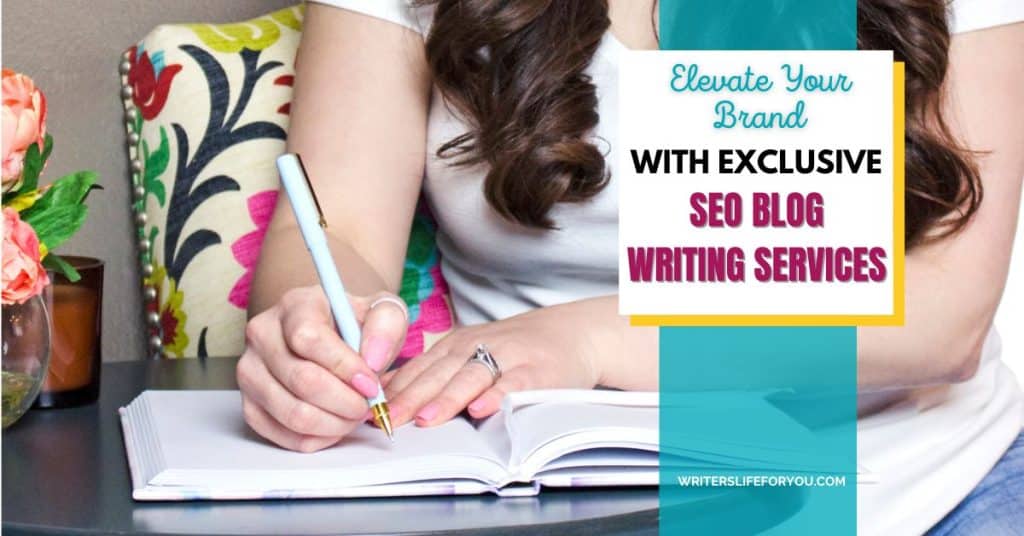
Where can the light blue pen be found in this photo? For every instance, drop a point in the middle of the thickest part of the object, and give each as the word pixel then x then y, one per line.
pixel 312 224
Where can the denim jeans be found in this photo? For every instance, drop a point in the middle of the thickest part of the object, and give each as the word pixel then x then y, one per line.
pixel 996 506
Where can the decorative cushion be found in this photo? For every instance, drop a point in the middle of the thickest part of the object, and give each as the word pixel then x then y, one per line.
pixel 206 113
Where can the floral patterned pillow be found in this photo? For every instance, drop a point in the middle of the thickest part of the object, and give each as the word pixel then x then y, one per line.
pixel 207 113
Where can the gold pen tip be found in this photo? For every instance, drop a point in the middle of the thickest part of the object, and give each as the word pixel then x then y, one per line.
pixel 383 420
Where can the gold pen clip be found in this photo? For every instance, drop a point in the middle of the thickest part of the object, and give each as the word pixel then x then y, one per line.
pixel 312 192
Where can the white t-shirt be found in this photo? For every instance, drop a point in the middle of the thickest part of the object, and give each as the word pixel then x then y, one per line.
pixel 927 453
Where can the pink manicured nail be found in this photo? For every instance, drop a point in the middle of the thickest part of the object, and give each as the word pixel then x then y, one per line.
pixel 428 412
pixel 376 352
pixel 478 405
pixel 364 385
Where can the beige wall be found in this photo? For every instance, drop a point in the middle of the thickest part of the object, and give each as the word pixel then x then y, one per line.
pixel 72 49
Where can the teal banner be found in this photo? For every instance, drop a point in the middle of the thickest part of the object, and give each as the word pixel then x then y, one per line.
pixel 758 430
pixel 758 424
pixel 758 24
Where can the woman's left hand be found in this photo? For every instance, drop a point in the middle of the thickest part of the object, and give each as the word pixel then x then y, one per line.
pixel 534 350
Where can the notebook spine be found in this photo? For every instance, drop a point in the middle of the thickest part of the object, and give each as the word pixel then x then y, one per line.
pixel 528 489
pixel 143 438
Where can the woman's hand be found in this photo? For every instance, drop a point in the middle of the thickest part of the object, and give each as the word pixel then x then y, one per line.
pixel 535 350
pixel 302 386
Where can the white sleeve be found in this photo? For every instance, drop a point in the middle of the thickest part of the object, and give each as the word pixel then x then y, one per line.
pixel 970 15
pixel 400 12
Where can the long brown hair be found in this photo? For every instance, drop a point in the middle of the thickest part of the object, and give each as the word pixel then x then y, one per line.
pixel 942 182
pixel 515 72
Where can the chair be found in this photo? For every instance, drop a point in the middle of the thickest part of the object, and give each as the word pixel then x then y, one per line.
pixel 206 108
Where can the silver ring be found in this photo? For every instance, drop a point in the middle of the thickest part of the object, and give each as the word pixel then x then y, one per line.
pixel 392 299
pixel 483 357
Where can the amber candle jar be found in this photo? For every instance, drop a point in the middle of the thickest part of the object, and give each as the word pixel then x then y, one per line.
pixel 73 378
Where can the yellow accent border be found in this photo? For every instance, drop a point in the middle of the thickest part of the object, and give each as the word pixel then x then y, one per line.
pixel 898 246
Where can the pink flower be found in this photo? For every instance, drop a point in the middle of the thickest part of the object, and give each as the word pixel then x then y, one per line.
pixel 24 123
pixel 23 273
pixel 247 248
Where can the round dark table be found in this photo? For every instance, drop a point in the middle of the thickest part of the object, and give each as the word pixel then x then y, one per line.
pixel 65 472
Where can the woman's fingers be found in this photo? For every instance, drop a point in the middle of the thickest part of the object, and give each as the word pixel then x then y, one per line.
pixel 385 321
pixel 309 333
pixel 312 383
pixel 263 424
pixel 410 401
pixel 304 386
pixel 306 379
pixel 407 373
pixel 385 379
pixel 255 380
pixel 468 383
pixel 489 402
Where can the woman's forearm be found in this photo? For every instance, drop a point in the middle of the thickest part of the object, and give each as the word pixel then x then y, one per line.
pixel 946 321
pixel 953 286
pixel 938 344
pixel 286 264
pixel 358 118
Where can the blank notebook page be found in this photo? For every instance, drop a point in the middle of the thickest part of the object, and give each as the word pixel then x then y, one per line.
pixel 204 441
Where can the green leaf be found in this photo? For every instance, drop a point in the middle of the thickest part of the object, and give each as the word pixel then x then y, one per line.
pixel 69 190
pixel 47 147
pixel 156 188
pixel 156 164
pixel 147 257
pixel 56 224
pixel 72 189
pixel 57 264
pixel 23 201
pixel 34 162
pixel 92 188
pixel 138 123
pixel 32 167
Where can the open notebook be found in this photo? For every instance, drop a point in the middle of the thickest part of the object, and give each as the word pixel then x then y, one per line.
pixel 194 445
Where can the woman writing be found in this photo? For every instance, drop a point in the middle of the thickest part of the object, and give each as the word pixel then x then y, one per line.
pixel 502 113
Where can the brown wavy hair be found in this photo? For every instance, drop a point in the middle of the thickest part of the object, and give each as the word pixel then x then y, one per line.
pixel 942 182
pixel 515 72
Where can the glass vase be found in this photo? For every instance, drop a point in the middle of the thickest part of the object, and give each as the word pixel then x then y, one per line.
pixel 26 353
